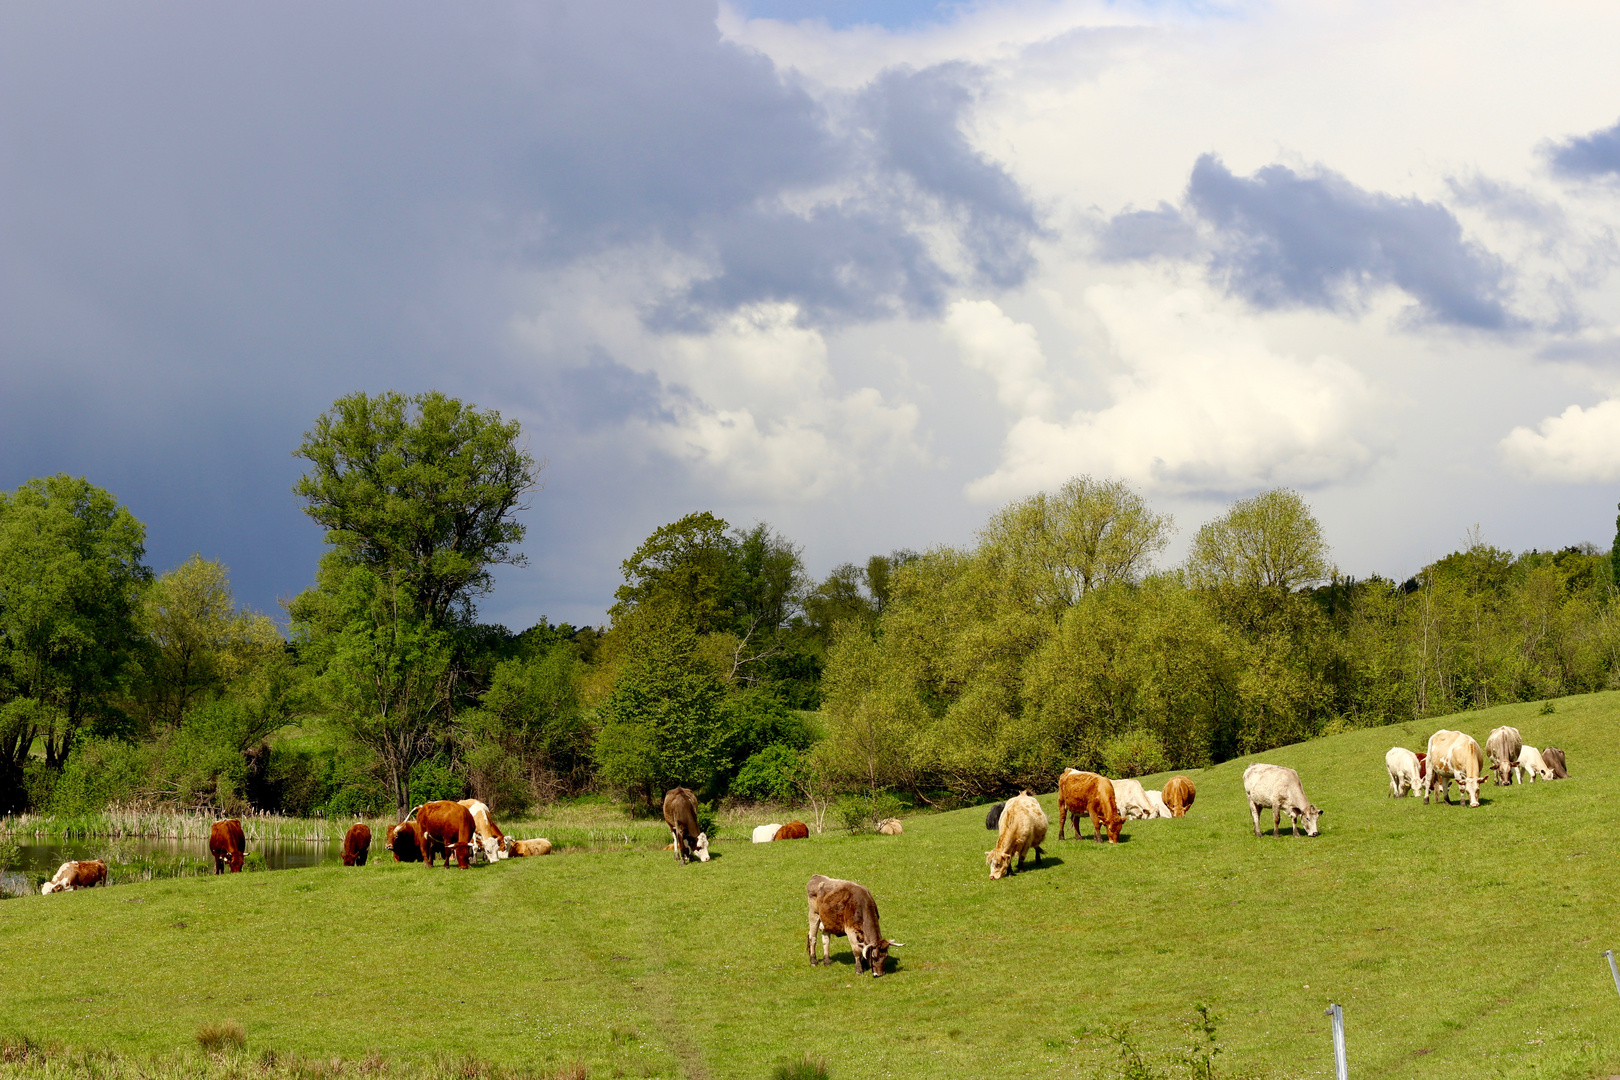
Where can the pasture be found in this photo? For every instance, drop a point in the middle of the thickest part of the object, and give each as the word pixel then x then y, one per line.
pixel 1463 941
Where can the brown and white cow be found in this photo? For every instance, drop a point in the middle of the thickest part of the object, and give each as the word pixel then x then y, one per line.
pixel 227 845
pixel 1503 745
pixel 1090 794
pixel 1023 828
pixel 518 849
pixel 77 874
pixel 1405 773
pixel 1454 755
pixel 1179 794
pixel 680 814
pixel 1554 758
pixel 846 909
pixel 486 834
pixel 357 844
pixel 1277 788
pixel 448 827
pixel 405 841
pixel 793 830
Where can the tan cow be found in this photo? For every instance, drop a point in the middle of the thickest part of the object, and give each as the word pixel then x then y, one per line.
pixel 1503 745
pixel 517 849
pixel 890 827
pixel 1179 794
pixel 1023 827
pixel 1454 755
pixel 1131 800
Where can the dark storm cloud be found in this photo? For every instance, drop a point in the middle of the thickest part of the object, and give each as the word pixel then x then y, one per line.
pixel 1587 157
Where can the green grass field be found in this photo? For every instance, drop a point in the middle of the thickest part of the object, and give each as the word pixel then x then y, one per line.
pixel 1459 941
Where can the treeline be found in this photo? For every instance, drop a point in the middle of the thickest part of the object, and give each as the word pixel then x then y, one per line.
pixel 941 675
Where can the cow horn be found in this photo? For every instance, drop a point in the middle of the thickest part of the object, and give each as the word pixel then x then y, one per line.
pixel 896 944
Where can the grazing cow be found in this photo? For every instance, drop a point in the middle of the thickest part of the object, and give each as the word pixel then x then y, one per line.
pixel 845 909
pixel 1454 755
pixel 226 844
pixel 764 834
pixel 1532 764
pixel 487 835
pixel 78 874
pixel 1179 794
pixel 405 841
pixel 518 849
pixel 680 814
pixel 793 830
pixel 890 827
pixel 992 817
pixel 1132 801
pixel 1423 765
pixel 1277 787
pixel 1503 745
pixel 1554 758
pixel 1023 827
pixel 1091 794
pixel 1160 809
pixel 357 844
pixel 448 827
pixel 1405 774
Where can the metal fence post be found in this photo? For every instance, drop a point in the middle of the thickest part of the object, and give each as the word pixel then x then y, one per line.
pixel 1340 1065
pixel 1609 955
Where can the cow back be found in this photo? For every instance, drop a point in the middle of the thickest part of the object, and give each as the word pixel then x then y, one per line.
pixel 1179 794
pixel 680 813
pixel 992 817
pixel 793 830
pixel 445 821
pixel 1554 760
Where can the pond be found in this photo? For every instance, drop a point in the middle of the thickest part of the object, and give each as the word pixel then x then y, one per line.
pixel 44 856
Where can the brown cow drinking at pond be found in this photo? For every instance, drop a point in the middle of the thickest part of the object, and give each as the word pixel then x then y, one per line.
pixel 357 844
pixel 227 844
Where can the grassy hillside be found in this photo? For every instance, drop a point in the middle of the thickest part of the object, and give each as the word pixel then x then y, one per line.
pixel 1455 938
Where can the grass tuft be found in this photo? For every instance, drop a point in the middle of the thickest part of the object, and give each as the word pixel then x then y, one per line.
pixel 806 1068
pixel 219 1038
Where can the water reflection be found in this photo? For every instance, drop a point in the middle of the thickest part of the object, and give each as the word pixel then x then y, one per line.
pixel 46 856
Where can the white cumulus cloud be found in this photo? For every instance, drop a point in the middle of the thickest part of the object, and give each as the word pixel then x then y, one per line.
pixel 1578 446
pixel 1009 352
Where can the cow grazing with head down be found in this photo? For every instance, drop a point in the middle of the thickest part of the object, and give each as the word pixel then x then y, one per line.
pixel 1503 745
pixel 793 830
pixel 680 814
pixel 357 844
pixel 1131 800
pixel 1532 765
pixel 1405 773
pixel 78 874
pixel 1454 755
pixel 405 841
pixel 447 827
pixel 1179 794
pixel 1093 795
pixel 1277 788
pixel 1160 808
pixel 846 909
pixel 1023 828
pixel 486 834
pixel 227 845
pixel 1554 759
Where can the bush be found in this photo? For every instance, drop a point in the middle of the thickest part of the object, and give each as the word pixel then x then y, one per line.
pixel 433 780
pixel 769 774
pixel 1135 753
pixel 861 813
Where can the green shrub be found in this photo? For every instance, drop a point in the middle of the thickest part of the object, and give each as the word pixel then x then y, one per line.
pixel 861 813
pixel 1135 753
pixel 769 774
pixel 433 780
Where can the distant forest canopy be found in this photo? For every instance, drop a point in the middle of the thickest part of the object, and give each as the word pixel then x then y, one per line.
pixel 940 676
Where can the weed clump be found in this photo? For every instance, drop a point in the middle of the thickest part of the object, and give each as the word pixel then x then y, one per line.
pixel 219 1038
pixel 806 1068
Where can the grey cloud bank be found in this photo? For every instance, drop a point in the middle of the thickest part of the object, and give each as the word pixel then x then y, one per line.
pixel 1587 157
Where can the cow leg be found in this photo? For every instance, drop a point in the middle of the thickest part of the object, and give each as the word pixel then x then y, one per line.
pixel 1254 812
pixel 1037 855
pixel 810 936
pixel 461 856
pixel 1276 823
pixel 1096 826
pixel 1293 823
pixel 1063 816
pixel 680 856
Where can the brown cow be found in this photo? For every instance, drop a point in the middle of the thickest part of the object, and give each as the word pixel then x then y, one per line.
pixel 357 844
pixel 847 910
pixel 1088 793
pixel 226 844
pixel 81 874
pixel 680 814
pixel 793 830
pixel 445 826
pixel 519 848
pixel 405 841
pixel 1179 794
pixel 1553 758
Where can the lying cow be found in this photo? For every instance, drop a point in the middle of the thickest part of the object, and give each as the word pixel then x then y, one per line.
pixel 1131 800
pixel 357 844
pixel 680 814
pixel 1405 772
pixel 1454 755
pixel 992 817
pixel 764 834
pixel 1023 828
pixel 1554 759
pixel 227 845
pixel 1179 794
pixel 1277 788
pixel 890 827
pixel 1532 765
pixel 845 909
pixel 1503 745
pixel 1091 794
pixel 1160 807
pixel 79 874
pixel 487 835
pixel 405 841
pixel 447 827
pixel 518 849
pixel 793 830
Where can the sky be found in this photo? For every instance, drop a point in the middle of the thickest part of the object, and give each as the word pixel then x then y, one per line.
pixel 863 271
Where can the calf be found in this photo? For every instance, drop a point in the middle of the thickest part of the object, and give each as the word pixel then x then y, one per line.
pixel 1554 759
pixel 793 830
pixel 1503 745
pixel 680 814
pixel 79 874
pixel 845 909
pixel 1091 794
pixel 1179 794
pixel 1405 773
pixel 992 817
pixel 1277 788
pixel 1132 801
pixel 1454 755
pixel 520 848
pixel 486 834
pixel 764 834
pixel 1023 827
pixel 1532 764
pixel 445 826
pixel 357 844
pixel 227 844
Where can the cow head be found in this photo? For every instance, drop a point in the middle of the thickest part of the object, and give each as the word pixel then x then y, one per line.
pixel 1000 864
pixel 48 888
pixel 1470 784
pixel 701 850
pixel 1309 817
pixel 877 955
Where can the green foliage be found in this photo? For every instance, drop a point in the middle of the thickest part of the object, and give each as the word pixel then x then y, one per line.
pixel 748 721
pixel 1271 541
pixel 529 740
pixel 433 779
pixel 862 813
pixel 1134 753
pixel 102 773
pixel 770 775
pixel 689 567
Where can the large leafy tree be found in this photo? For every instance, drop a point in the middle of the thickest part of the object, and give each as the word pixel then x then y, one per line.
pixel 71 575
pixel 1271 541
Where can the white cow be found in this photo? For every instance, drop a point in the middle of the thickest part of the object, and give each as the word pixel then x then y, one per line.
pixel 764 834
pixel 1530 762
pixel 487 836
pixel 1277 787
pixel 1159 807
pixel 1454 755
pixel 1503 745
pixel 1131 801
pixel 1405 774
